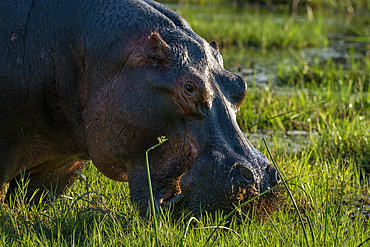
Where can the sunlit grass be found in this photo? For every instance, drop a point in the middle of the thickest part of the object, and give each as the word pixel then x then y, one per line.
pixel 263 30
pixel 341 122
pixel 348 6
pixel 329 196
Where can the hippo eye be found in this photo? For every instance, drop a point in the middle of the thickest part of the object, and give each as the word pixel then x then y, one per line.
pixel 189 87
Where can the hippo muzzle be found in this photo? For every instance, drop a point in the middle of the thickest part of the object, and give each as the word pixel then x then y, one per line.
pixel 218 182
pixel 229 170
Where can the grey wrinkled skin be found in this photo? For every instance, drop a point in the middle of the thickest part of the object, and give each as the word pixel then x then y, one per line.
pixel 101 80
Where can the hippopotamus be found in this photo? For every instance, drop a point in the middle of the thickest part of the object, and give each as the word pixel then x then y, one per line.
pixel 101 80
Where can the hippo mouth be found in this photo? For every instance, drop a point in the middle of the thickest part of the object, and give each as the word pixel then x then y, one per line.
pixel 171 198
pixel 171 202
pixel 230 184
pixel 174 201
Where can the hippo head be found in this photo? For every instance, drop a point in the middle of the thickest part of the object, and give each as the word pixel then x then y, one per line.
pixel 173 84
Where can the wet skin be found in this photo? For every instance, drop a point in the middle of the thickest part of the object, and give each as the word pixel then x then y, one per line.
pixel 102 81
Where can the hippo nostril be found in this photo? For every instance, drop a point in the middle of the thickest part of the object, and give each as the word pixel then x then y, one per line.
pixel 247 174
pixel 275 178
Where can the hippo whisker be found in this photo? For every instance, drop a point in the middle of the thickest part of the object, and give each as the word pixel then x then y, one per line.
pixel 119 133
pixel 88 126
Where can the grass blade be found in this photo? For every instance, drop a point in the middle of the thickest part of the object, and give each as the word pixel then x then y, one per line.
pixel 361 244
pixel 290 194
pixel 258 229
pixel 161 141
pixel 282 114
pixel 186 229
pixel 233 211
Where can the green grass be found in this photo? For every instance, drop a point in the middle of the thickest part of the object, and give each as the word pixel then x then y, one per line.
pixel 341 122
pixel 348 6
pixel 243 28
pixel 327 195
pixel 324 177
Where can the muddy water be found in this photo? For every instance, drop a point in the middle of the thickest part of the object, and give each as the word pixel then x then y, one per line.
pixel 294 141
pixel 264 67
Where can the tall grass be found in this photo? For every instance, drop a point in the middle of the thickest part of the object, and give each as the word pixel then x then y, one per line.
pixel 153 206
pixel 329 198
pixel 348 6
pixel 341 123
pixel 243 28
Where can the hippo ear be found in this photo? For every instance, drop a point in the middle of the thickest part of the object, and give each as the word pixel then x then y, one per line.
pixel 157 48
pixel 214 45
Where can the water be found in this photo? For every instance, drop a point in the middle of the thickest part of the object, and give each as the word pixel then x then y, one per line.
pixel 294 141
pixel 265 68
